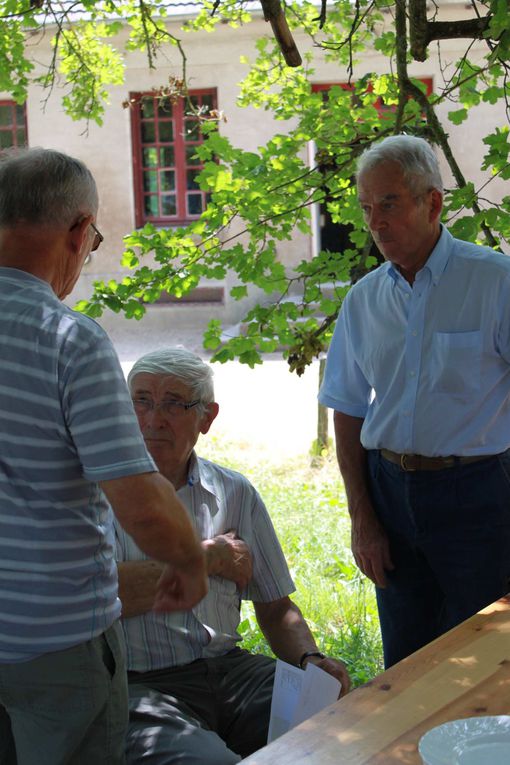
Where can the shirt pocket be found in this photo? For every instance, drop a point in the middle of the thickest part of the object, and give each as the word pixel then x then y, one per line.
pixel 456 362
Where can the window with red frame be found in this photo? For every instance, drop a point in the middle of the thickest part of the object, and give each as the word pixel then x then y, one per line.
pixel 165 138
pixel 13 125
pixel 379 104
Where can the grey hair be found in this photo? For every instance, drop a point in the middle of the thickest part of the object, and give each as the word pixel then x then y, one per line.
pixel 181 363
pixel 415 156
pixel 44 187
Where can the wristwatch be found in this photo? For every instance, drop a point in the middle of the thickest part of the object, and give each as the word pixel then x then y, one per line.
pixel 307 654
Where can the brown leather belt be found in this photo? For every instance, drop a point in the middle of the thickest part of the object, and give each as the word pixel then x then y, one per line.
pixel 412 462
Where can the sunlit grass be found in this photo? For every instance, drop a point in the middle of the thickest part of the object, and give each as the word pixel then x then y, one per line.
pixel 307 506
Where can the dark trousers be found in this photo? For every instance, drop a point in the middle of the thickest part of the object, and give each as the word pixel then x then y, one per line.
pixel 449 533
pixel 209 712
pixel 68 707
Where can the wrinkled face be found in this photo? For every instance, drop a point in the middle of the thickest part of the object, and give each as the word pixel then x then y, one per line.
pixel 403 222
pixel 170 432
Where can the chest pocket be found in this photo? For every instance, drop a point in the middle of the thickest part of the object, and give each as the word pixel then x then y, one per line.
pixel 456 362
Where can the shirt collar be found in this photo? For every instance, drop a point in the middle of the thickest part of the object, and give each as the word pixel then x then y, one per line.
pixel 197 475
pixel 440 255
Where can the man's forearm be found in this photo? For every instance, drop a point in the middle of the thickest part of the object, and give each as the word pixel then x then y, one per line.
pixel 138 580
pixel 369 541
pixel 352 461
pixel 290 638
pixel 137 585
pixel 148 508
pixel 285 629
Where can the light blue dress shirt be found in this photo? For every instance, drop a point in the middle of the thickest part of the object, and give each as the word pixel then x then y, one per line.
pixel 427 367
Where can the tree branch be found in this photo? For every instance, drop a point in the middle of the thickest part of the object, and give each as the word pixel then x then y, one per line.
pixel 273 13
pixel 422 32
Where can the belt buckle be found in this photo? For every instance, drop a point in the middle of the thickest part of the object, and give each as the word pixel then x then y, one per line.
pixel 403 464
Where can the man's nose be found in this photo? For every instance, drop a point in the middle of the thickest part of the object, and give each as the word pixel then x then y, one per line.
pixel 156 417
pixel 376 219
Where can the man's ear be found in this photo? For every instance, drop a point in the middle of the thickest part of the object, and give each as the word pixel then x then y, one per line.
pixel 208 417
pixel 436 204
pixel 79 232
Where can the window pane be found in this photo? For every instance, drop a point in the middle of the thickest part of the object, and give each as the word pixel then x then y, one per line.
pixel 195 205
pixel 5 115
pixel 207 100
pixel 5 139
pixel 21 137
pixel 150 156
pixel 166 156
pixel 147 107
pixel 191 156
pixel 150 180
pixel 195 100
pixel 166 131
pixel 191 182
pixel 164 107
pixel 151 206
pixel 20 115
pixel 148 132
pixel 167 180
pixel 192 130
pixel 168 204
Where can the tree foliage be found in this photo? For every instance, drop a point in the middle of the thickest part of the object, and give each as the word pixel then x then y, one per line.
pixel 258 199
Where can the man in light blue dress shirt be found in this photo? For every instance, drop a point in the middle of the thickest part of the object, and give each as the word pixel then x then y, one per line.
pixel 418 373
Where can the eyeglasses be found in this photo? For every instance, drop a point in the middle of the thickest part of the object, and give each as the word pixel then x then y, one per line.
pixel 169 408
pixel 393 206
pixel 98 238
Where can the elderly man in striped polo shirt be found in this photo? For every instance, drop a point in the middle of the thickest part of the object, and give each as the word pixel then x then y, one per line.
pixel 69 442
pixel 196 697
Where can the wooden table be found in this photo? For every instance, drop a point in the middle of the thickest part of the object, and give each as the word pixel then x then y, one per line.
pixel 464 673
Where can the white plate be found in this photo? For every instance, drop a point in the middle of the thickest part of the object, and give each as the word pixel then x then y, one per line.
pixel 473 741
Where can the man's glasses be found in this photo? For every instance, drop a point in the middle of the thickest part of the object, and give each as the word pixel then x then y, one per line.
pixel 169 408
pixel 98 238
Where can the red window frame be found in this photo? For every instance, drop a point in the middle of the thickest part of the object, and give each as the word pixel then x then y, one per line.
pixel 13 124
pixel 379 103
pixel 164 135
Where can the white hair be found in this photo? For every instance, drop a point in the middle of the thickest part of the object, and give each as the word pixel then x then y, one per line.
pixel 415 156
pixel 181 363
pixel 44 187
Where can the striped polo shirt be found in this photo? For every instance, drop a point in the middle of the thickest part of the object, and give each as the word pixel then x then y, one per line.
pixel 218 500
pixel 66 422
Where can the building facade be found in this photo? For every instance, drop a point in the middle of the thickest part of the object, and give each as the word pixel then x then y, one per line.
pixel 143 156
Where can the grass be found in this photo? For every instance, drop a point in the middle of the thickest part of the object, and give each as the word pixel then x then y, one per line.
pixel 306 501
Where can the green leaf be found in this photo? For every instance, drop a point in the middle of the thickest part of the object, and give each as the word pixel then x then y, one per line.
pixel 458 116
pixel 239 292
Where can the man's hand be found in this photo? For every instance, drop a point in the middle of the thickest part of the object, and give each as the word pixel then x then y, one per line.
pixel 370 547
pixel 180 589
pixel 335 668
pixel 229 556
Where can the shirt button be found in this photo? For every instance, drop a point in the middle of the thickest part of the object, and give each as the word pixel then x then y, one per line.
pixel 412 373
pixel 414 333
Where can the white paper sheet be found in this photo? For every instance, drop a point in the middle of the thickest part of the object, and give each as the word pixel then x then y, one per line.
pixel 298 694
